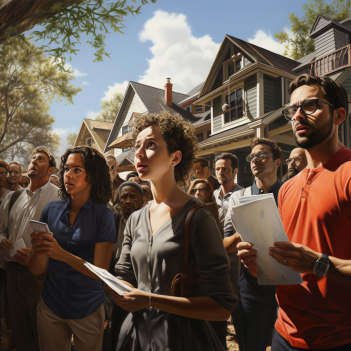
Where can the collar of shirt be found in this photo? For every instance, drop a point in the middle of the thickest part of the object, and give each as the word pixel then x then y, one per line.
pixel 217 194
pixel 86 206
pixel 274 189
pixel 39 190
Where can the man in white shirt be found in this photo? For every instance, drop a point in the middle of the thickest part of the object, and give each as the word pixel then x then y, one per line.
pixel 4 167
pixel 23 288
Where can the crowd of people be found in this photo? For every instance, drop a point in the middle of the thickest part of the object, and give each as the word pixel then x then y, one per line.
pixel 138 229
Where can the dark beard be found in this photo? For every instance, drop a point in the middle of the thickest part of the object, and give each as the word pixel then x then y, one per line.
pixel 317 135
pixel 292 172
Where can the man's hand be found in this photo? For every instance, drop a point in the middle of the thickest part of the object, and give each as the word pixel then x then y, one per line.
pixel 298 257
pixel 132 300
pixel 6 245
pixel 248 257
pixel 21 256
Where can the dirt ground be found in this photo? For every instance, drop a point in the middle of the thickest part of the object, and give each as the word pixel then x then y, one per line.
pixel 231 339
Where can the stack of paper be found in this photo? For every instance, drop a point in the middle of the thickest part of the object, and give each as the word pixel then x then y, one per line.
pixel 19 244
pixel 257 220
pixel 115 284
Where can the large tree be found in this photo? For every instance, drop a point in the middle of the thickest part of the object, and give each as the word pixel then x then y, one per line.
pixel 300 45
pixel 60 23
pixel 110 108
pixel 71 139
pixel 29 82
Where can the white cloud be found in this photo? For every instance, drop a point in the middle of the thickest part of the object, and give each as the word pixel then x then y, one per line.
pixel 92 114
pixel 76 71
pixel 267 41
pixel 63 133
pixel 176 54
pixel 116 88
pixel 85 83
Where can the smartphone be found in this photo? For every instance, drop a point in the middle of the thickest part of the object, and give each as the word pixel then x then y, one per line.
pixel 39 227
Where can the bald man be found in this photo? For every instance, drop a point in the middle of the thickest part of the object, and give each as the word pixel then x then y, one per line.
pixel 296 163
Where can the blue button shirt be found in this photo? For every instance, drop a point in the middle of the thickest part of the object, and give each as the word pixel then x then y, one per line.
pixel 67 292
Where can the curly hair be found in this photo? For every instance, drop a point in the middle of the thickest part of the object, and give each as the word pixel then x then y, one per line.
pixel 97 172
pixel 178 134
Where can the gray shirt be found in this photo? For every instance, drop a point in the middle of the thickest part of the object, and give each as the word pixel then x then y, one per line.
pixel 150 262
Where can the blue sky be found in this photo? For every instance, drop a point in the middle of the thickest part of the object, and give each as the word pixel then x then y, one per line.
pixel 172 38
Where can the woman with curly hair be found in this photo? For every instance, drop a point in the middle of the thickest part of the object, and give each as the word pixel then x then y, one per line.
pixel 83 230
pixel 152 249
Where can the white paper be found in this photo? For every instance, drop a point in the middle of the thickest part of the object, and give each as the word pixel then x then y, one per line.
pixel 257 221
pixel 17 245
pixel 115 284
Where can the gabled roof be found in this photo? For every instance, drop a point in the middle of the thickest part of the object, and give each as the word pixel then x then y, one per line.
pixel 323 24
pixel 195 90
pixel 98 130
pixel 305 61
pixel 202 117
pixel 153 100
pixel 262 55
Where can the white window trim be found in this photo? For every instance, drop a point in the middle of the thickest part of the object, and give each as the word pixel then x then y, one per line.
pixel 244 106
pixel 227 62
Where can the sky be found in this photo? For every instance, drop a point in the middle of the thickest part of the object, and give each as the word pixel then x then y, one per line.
pixel 172 38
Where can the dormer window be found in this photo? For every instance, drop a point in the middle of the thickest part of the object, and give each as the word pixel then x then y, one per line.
pixel 231 66
pixel 89 142
pixel 125 129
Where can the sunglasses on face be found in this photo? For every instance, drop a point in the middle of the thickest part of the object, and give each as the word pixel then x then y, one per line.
pixel 201 190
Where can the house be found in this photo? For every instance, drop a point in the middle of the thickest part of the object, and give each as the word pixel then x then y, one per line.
pixel 255 82
pixel 93 133
pixel 251 84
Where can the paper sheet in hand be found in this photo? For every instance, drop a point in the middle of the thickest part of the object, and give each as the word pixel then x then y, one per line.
pixel 19 244
pixel 115 284
pixel 257 220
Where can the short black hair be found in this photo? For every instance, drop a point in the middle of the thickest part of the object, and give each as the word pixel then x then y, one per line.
pixel 228 156
pixel 132 174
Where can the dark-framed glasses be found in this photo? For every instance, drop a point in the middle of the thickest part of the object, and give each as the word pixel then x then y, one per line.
pixel 260 156
pixel 295 159
pixel 308 107
pixel 201 190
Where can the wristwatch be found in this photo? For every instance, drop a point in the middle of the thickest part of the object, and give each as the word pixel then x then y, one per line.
pixel 320 268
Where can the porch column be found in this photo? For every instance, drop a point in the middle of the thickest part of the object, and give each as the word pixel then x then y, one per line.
pixel 260 95
pixel 259 128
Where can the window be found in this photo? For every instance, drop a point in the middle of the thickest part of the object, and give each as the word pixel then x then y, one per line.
pixel 89 142
pixel 200 137
pixel 207 108
pixel 237 65
pixel 125 129
pixel 235 106
pixel 232 66
pixel 287 95
pixel 230 69
pixel 208 133
pixel 198 108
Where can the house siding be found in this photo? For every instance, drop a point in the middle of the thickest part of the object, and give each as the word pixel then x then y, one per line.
pixel 329 41
pixel 321 23
pixel 347 85
pixel 272 93
pixel 219 79
pixel 134 104
pixel 217 113
pixel 250 88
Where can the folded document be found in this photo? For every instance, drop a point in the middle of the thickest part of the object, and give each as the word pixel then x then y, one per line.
pixel 115 284
pixel 256 219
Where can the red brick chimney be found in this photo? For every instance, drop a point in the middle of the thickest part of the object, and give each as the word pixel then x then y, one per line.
pixel 168 92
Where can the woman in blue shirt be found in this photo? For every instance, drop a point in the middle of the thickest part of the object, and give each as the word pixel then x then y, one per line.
pixel 83 230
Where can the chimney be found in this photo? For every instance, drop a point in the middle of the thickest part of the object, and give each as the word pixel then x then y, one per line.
pixel 168 92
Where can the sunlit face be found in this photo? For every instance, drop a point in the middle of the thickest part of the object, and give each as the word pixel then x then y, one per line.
pixel 224 171
pixel 311 130
pixel 3 177
pixel 24 182
pixel 75 176
pixel 130 199
pixel 201 192
pixel 265 167
pixel 297 159
pixel 152 159
pixel 14 174
pixel 39 166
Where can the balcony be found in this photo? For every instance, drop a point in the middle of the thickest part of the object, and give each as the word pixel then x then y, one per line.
pixel 331 62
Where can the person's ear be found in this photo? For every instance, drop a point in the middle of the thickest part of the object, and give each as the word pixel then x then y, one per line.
pixel 340 115
pixel 236 170
pixel 51 171
pixel 176 157
pixel 278 162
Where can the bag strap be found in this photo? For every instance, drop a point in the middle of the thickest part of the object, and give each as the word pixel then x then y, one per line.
pixel 15 197
pixel 186 243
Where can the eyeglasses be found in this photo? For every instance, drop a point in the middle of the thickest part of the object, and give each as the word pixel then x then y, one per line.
pixel 14 172
pixel 296 160
pixel 2 174
pixel 201 190
pixel 261 156
pixel 308 107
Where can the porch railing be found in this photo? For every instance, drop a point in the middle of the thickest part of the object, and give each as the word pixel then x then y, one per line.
pixel 331 62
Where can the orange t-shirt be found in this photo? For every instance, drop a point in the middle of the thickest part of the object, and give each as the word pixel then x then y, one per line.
pixel 315 207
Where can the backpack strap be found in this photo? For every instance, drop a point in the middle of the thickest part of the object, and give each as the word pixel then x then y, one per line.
pixel 15 197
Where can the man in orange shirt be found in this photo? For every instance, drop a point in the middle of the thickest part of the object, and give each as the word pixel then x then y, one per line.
pixel 315 208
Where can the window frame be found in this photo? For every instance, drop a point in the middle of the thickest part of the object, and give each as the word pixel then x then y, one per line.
pixel 87 142
pixel 224 124
pixel 233 59
pixel 127 125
